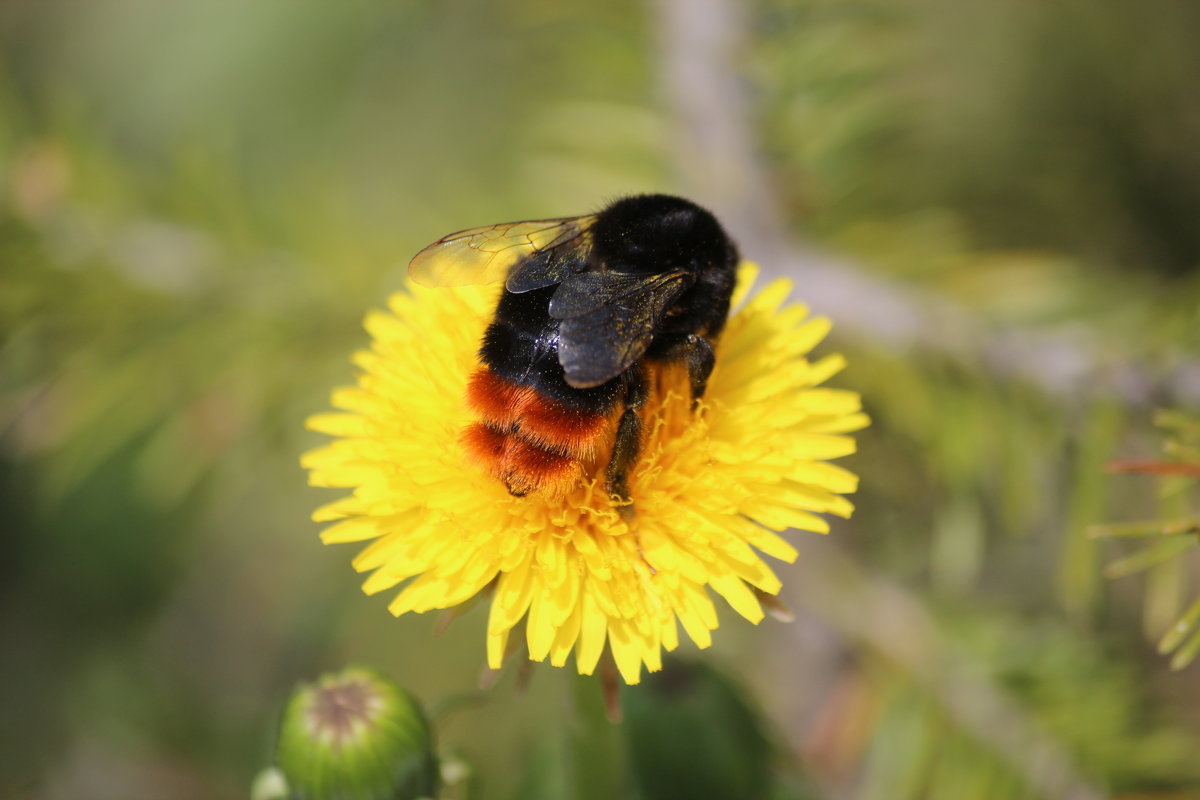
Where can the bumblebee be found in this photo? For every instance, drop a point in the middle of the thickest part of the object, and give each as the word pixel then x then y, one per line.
pixel 592 307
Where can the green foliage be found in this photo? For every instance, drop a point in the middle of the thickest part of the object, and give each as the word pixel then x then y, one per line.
pixel 1085 696
pixel 1169 538
pixel 1026 123
pixel 200 200
pixel 1077 694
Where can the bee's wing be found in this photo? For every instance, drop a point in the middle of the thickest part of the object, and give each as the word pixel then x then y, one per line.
pixel 608 321
pixel 487 254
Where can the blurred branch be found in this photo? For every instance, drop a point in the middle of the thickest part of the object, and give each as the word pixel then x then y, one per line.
pixel 718 159
pixel 884 617
pixel 717 156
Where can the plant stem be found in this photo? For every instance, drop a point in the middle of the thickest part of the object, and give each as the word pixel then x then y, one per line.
pixel 596 763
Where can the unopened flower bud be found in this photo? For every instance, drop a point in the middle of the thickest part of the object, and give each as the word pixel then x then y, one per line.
pixel 355 735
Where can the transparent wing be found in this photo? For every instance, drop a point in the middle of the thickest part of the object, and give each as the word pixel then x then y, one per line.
pixel 487 254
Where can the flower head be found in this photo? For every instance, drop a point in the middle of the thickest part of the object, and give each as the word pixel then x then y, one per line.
pixel 712 488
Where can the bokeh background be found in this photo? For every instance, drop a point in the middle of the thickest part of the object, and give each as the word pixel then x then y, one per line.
pixel 998 202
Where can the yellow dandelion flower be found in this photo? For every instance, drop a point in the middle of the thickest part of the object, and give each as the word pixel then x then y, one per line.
pixel 713 489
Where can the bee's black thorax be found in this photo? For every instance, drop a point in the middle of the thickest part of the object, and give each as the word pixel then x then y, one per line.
pixel 659 233
pixel 642 235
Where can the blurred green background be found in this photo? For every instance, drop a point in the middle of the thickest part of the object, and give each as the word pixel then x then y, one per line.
pixel 200 199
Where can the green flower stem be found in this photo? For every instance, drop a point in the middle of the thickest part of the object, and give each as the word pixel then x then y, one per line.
pixel 596 764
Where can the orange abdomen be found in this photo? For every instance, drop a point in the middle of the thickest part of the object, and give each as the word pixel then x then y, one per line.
pixel 528 441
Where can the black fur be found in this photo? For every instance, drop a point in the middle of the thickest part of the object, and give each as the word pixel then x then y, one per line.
pixel 645 236
pixel 650 234
pixel 521 346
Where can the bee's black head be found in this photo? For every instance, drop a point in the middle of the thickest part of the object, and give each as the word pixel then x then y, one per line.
pixel 653 233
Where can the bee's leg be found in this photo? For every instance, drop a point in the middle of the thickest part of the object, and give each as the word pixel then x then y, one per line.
pixel 625 448
pixel 697 353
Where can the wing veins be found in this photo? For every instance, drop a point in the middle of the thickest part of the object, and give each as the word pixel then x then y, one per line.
pixel 488 253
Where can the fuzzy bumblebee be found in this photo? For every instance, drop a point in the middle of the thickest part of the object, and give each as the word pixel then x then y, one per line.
pixel 592 307
pixel 477 473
